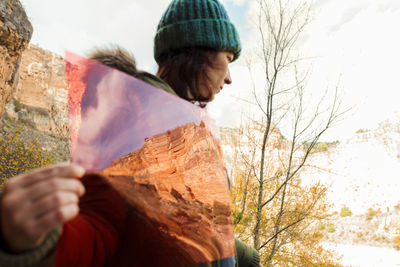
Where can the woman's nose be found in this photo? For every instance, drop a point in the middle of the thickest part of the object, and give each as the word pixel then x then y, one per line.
pixel 228 79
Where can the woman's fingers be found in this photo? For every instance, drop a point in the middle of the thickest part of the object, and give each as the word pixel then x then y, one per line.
pixel 61 170
pixel 16 200
pixel 37 202
pixel 19 199
pixel 46 187
pixel 49 204
pixel 52 219
pixel 26 229
pixel 57 217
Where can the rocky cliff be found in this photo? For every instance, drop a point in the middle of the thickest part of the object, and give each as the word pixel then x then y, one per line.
pixel 15 34
pixel 39 103
pixel 41 96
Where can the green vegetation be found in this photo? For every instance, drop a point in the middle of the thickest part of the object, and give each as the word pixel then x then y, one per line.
pixel 320 146
pixel 396 240
pixel 16 157
pixel 330 227
pixel 17 105
pixel 237 217
pixel 321 226
pixel 362 131
pixel 345 211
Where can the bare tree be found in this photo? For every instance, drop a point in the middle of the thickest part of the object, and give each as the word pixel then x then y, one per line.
pixel 282 207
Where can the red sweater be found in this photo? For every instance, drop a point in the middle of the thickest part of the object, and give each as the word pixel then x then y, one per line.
pixel 108 232
pixel 92 238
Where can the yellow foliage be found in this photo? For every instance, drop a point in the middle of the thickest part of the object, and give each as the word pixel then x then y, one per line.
pixel 305 207
pixel 18 157
pixel 345 211
pixel 302 247
pixel 396 240
pixel 330 228
pixel 371 213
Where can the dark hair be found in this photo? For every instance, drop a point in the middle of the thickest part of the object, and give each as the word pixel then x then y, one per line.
pixel 185 71
pixel 115 57
pixel 112 56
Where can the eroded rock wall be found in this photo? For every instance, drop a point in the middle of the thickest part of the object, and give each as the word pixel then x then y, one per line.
pixel 40 99
pixel 15 34
pixel 39 103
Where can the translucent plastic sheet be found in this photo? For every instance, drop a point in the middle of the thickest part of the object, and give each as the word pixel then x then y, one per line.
pixel 161 154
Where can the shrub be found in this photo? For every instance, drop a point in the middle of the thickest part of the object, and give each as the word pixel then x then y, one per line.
pixel 345 211
pixel 237 217
pixel 362 131
pixel 396 240
pixel 330 227
pixel 322 147
pixel 371 213
pixel 319 147
pixel 360 235
pixel 317 235
pixel 16 157
pixel 17 105
pixel 321 226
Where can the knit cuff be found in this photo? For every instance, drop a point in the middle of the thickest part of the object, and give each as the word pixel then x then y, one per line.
pixel 255 259
pixel 32 257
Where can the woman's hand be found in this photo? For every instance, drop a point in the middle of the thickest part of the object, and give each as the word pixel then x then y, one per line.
pixel 37 202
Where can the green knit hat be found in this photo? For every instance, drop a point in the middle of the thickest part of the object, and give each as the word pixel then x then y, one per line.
pixel 196 23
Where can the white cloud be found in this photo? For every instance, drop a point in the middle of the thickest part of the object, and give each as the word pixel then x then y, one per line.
pixel 236 2
pixel 80 25
pixel 364 51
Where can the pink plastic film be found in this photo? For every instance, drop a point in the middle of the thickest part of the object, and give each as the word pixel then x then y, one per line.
pixel 161 153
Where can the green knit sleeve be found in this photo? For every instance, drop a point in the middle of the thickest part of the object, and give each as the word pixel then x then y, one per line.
pixel 246 256
pixel 32 257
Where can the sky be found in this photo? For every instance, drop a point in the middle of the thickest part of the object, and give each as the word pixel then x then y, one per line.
pixel 354 42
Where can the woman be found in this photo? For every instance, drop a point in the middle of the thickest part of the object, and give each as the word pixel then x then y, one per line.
pixel 194 44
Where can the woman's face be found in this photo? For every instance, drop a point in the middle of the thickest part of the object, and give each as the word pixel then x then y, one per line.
pixel 218 73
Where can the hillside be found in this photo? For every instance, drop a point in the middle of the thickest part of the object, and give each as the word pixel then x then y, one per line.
pixel 362 172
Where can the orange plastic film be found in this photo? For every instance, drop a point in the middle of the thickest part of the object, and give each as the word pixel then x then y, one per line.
pixel 161 153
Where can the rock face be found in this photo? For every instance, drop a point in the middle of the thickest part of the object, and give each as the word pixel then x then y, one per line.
pixel 15 34
pixel 39 103
pixel 41 96
pixel 177 182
